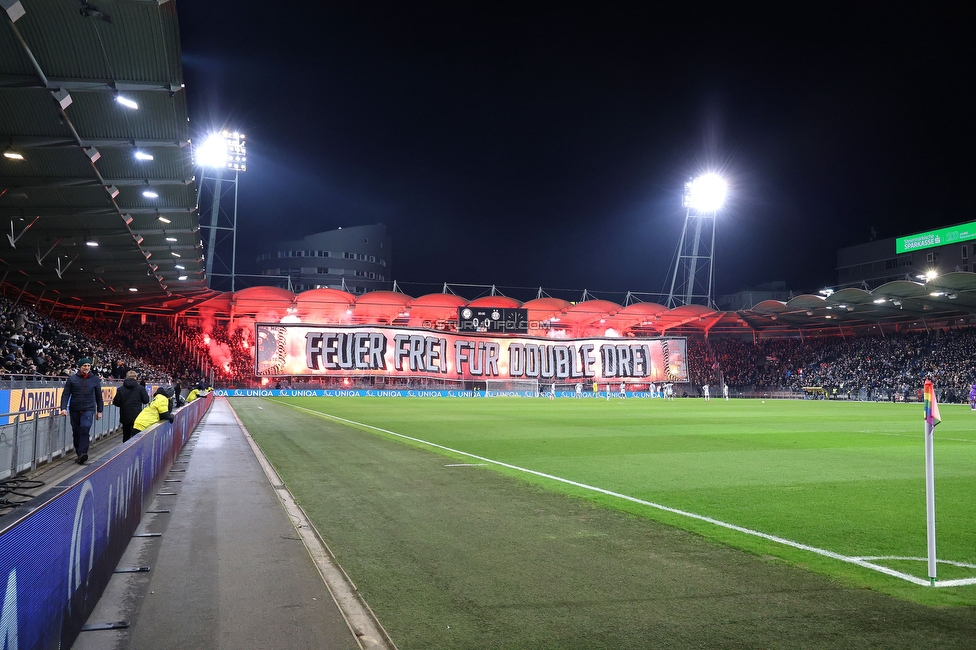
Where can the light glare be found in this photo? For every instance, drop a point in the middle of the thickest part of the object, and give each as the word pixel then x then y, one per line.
pixel 706 193
pixel 149 194
pixel 212 152
pixel 141 155
pixel 125 101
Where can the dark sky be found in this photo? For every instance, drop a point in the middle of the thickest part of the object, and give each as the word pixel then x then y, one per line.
pixel 547 143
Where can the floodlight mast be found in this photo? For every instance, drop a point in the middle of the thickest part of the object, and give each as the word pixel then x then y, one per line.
pixel 703 198
pixel 221 152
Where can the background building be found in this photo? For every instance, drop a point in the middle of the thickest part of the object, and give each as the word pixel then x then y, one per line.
pixel 355 259
pixel 906 258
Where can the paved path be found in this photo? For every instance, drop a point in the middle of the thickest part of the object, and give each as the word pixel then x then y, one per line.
pixel 230 570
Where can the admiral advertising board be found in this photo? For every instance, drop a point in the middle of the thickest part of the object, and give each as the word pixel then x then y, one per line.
pixel 345 351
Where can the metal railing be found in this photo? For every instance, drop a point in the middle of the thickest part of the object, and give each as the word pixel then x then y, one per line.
pixel 37 437
pixel 35 381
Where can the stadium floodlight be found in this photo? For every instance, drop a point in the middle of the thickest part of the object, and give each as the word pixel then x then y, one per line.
pixel 10 154
pixel 125 101
pixel 180 267
pixel 224 150
pixel 149 194
pixel 706 193
pixel 826 292
pixel 142 155
pixel 931 275
pixel 880 301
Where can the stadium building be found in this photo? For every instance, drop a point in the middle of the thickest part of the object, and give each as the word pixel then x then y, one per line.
pixel 870 265
pixel 355 259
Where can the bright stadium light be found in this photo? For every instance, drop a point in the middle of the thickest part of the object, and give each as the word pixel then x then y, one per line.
pixel 125 101
pixel 706 193
pixel 223 150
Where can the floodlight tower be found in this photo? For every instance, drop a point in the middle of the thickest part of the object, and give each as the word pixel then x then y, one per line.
pixel 222 157
pixel 693 262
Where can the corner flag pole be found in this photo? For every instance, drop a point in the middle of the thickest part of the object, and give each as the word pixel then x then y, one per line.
pixel 931 419
pixel 930 497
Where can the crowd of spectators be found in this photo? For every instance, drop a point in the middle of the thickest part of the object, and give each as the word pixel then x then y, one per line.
pixel 35 345
pixel 894 366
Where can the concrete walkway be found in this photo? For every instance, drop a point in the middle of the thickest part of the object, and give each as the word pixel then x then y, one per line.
pixel 229 569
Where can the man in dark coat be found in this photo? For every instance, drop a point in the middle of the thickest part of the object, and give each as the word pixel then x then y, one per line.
pixel 130 397
pixel 81 398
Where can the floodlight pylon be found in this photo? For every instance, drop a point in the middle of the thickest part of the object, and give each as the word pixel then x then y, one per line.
pixel 221 232
pixel 693 275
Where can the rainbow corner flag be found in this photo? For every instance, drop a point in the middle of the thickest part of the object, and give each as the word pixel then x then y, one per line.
pixel 932 416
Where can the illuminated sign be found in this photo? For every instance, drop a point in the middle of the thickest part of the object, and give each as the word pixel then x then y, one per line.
pixel 351 351
pixel 941 237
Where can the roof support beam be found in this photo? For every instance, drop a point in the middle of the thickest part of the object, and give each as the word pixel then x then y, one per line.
pixel 45 211
pixel 83 85
pixel 27 182
pixel 27 142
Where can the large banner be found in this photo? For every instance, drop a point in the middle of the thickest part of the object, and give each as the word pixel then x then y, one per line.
pixel 334 350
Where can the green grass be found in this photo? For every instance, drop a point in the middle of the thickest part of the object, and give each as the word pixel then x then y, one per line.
pixel 845 477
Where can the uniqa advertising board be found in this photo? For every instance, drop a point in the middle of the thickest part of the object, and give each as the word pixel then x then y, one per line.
pixel 329 350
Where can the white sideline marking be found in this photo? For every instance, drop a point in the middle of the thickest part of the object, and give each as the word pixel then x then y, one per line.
pixel 466 465
pixel 859 561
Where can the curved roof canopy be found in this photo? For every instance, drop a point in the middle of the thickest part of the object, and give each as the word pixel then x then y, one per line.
pixel 950 299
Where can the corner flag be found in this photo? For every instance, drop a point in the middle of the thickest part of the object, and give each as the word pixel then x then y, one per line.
pixel 932 416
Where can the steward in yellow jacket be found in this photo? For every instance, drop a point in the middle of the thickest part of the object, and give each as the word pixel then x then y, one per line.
pixel 198 391
pixel 157 411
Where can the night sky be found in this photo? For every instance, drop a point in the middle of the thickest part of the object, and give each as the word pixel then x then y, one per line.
pixel 547 143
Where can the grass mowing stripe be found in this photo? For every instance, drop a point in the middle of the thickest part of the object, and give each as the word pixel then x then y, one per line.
pixel 741 529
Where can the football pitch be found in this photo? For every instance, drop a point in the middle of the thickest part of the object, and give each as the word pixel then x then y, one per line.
pixel 438 502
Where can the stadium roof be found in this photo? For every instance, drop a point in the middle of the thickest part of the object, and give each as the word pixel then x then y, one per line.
pixel 64 67
pixel 943 301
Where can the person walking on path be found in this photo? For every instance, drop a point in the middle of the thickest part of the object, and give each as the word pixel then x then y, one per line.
pixel 130 397
pixel 81 399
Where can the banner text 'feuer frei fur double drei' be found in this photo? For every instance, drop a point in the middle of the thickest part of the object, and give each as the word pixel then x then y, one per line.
pixel 298 349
